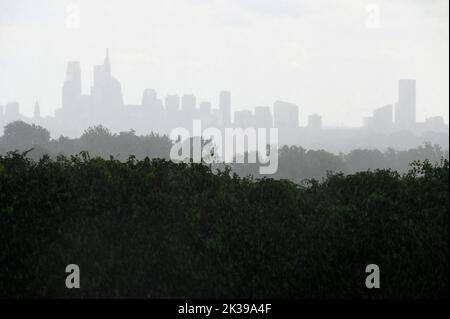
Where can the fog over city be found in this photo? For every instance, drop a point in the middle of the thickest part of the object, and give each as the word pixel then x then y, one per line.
pixel 339 59
pixel 244 150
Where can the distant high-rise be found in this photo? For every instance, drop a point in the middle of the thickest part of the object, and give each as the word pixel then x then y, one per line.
pixel 12 110
pixel 263 117
pixel 285 115
pixel 188 103
pixel 37 111
pixel 172 103
pixel 106 93
pixel 225 107
pixel 381 119
pixel 315 122
pixel 205 108
pixel 148 97
pixel 405 111
pixel 435 123
pixel 243 119
pixel 150 100
pixel 1 110
pixel 71 91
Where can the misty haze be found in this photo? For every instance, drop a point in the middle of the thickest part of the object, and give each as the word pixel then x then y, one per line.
pixel 224 149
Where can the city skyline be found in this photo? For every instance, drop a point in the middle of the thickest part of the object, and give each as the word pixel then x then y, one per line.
pixel 106 96
pixel 104 104
pixel 355 51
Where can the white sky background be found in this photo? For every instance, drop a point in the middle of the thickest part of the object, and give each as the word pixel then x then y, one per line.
pixel 319 54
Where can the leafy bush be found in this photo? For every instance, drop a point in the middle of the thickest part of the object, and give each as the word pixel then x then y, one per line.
pixel 153 228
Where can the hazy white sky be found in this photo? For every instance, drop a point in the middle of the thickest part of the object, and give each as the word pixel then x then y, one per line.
pixel 332 57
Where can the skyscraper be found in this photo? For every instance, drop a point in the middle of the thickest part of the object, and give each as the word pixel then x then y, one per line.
pixel 285 115
pixel 383 115
pixel 225 107
pixel 405 111
pixel 205 108
pixel 263 117
pixel 172 103
pixel 150 100
pixel 12 111
pixel 71 91
pixel 381 119
pixel 315 122
pixel 37 111
pixel 106 93
pixel 148 97
pixel 243 119
pixel 188 103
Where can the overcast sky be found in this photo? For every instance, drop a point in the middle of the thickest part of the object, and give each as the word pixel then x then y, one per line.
pixel 338 58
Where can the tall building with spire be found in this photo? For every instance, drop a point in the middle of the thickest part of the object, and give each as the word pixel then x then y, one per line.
pixel 106 93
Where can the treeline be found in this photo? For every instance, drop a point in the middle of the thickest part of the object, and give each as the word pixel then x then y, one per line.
pixel 298 164
pixel 153 228
pixel 97 141
pixel 295 163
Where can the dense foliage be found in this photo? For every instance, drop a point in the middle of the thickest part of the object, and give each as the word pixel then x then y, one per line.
pixel 153 228
pixel 295 163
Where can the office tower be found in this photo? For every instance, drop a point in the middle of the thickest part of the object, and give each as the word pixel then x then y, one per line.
pixel 285 115
pixel 405 111
pixel 12 110
pixel 205 108
pixel 435 123
pixel 37 111
pixel 188 103
pixel 106 93
pixel 172 103
pixel 243 119
pixel 383 116
pixel 150 101
pixel 71 92
pixel 149 97
pixel 263 117
pixel 225 107
pixel 381 119
pixel 1 110
pixel 315 122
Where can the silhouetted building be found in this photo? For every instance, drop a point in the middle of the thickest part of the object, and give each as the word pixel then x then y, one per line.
pixel 435 123
pixel 205 108
pixel 106 93
pixel 71 91
pixel 150 100
pixel 148 97
pixel 405 111
pixel 381 119
pixel 188 105
pixel 12 111
pixel 315 122
pixel 225 107
pixel 243 119
pixel 285 115
pixel 172 103
pixel 37 111
pixel 263 117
